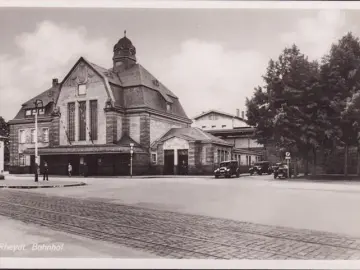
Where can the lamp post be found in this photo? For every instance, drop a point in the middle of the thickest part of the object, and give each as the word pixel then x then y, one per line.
pixel 37 102
pixel 131 157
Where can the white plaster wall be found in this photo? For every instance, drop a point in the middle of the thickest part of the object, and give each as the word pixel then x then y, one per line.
pixel 246 143
pixel 175 143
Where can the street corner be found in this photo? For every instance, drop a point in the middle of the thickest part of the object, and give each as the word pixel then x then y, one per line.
pixel 31 184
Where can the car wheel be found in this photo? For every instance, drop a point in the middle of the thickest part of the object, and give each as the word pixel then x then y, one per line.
pixel 260 173
pixel 237 174
pixel 251 173
pixel 216 176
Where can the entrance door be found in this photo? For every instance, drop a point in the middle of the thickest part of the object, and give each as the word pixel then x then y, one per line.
pixel 168 161
pixel 183 161
pixel 92 164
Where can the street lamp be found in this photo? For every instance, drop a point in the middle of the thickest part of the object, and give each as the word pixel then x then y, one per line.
pixel 131 157
pixel 37 102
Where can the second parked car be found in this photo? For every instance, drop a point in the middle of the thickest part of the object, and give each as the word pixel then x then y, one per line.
pixel 262 167
pixel 228 169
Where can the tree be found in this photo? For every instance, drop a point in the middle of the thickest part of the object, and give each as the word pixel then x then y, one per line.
pixel 286 113
pixel 340 82
pixel 5 131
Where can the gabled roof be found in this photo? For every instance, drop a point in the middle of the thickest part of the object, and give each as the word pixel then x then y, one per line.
pixel 108 73
pixel 219 113
pixel 47 96
pixel 193 134
pixel 99 70
pixel 138 75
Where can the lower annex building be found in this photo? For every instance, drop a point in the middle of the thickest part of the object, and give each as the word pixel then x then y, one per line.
pixel 93 115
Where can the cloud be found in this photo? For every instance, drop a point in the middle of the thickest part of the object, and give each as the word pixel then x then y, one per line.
pixel 314 35
pixel 207 76
pixel 47 52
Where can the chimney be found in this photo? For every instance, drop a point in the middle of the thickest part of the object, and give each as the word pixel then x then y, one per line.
pixel 55 82
pixel 242 114
pixel 237 112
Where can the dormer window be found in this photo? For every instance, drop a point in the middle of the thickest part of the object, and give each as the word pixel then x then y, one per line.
pixel 168 107
pixel 82 89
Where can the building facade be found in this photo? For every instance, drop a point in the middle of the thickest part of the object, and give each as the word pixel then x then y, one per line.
pixel 91 117
pixel 234 130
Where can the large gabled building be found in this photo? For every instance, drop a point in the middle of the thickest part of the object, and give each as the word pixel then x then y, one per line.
pixel 93 115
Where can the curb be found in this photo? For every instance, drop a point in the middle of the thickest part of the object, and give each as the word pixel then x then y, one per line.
pixel 47 186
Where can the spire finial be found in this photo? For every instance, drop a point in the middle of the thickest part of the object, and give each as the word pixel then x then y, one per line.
pixel 125 33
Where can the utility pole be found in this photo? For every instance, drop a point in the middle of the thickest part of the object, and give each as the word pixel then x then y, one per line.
pixel 131 158
pixel 37 102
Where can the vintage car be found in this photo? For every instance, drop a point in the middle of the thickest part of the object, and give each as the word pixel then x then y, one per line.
pixel 281 171
pixel 228 169
pixel 261 168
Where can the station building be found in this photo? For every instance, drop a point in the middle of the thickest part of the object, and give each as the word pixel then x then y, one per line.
pixel 93 115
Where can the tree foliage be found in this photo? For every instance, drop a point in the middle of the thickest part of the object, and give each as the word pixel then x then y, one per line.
pixel 304 105
pixel 5 131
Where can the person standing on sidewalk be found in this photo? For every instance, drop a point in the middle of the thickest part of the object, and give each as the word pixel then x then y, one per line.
pixel 69 170
pixel 46 172
pixel 36 171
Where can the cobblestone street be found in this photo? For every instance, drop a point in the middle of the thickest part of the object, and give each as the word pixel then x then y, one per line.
pixel 174 235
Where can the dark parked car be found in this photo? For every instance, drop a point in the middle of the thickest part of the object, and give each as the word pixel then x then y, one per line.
pixel 281 170
pixel 260 168
pixel 228 169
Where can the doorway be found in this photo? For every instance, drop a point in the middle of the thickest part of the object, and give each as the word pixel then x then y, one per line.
pixel 91 165
pixel 183 161
pixel 168 161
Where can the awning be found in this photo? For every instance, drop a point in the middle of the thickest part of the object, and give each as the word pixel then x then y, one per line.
pixel 84 149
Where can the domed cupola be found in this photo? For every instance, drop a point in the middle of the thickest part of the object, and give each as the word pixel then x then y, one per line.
pixel 124 54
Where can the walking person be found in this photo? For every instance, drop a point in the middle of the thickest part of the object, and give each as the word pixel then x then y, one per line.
pixel 36 171
pixel 69 170
pixel 46 172
pixel 85 169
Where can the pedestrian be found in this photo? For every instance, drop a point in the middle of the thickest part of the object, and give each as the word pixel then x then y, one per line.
pixel 36 171
pixel 85 170
pixel 69 170
pixel 46 172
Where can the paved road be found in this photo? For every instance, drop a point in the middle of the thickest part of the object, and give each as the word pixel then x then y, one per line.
pixel 332 207
pixel 174 235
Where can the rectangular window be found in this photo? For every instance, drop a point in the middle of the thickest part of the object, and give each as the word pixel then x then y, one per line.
pixel 213 126
pixel 71 121
pixel 28 113
pixel 32 135
pixel 21 136
pixel 94 119
pixel 46 135
pixel 82 120
pixel 82 89
pixel 34 111
pixel 41 111
pixel 153 158
pixel 203 127
pixel 223 126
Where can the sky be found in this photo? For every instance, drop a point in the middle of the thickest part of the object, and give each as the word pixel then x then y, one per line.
pixel 210 58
